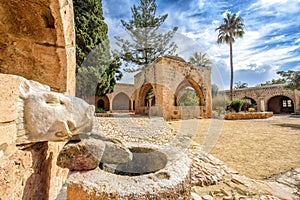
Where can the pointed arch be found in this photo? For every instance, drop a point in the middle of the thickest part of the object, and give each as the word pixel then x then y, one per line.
pixel 121 102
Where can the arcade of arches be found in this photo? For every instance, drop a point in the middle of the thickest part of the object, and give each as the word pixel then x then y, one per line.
pixel 157 88
pixel 274 98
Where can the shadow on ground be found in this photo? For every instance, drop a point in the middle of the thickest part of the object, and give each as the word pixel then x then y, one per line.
pixel 293 126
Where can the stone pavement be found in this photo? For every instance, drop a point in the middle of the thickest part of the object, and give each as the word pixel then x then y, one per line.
pixel 212 179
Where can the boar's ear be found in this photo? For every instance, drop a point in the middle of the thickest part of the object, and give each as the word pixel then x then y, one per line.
pixel 51 98
pixel 61 130
pixel 71 125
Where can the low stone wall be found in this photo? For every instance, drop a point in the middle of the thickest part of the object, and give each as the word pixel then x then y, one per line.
pixel 248 115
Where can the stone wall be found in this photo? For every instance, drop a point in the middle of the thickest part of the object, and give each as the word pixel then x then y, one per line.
pixel 262 95
pixel 26 171
pixel 37 41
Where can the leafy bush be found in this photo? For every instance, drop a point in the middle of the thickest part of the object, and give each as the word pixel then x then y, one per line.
pixel 220 110
pixel 236 105
pixel 99 110
pixel 246 105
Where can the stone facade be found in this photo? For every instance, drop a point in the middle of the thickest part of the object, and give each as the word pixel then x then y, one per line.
pixel 37 41
pixel 167 77
pixel 273 98
pixel 24 167
pixel 122 99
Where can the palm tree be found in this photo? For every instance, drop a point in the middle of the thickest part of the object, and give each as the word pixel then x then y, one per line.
pixel 200 59
pixel 232 27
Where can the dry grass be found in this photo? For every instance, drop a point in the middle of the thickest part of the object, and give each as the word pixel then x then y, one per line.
pixel 256 148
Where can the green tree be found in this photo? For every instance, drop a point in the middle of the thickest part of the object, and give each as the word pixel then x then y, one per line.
pixel 274 81
pixel 200 59
pixel 147 42
pixel 292 79
pixel 96 69
pixel 189 98
pixel 231 28
pixel 240 85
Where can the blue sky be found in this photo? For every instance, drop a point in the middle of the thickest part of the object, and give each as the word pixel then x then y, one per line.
pixel 271 42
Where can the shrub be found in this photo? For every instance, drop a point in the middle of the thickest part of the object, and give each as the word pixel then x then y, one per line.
pixel 246 104
pixel 99 110
pixel 218 101
pixel 236 105
pixel 220 110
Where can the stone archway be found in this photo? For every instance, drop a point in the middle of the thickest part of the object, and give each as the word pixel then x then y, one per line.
pixel 121 102
pixel 103 103
pixel 166 76
pixel 281 104
pixel 189 101
pixel 252 103
pixel 147 96
pixel 191 84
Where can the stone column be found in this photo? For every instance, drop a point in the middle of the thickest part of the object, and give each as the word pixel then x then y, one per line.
pixel 297 100
pixel 110 105
pixel 261 105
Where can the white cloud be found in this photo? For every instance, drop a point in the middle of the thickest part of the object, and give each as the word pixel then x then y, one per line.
pixel 268 43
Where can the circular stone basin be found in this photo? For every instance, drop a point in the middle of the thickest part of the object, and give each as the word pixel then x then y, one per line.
pixel 151 174
pixel 144 161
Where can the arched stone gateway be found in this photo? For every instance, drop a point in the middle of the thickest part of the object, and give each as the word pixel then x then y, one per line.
pixel 156 90
pixel 159 86
pixel 281 104
pixel 103 103
pixel 147 95
pixel 189 84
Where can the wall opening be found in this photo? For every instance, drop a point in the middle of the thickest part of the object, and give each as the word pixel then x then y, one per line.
pixel 249 103
pixel 103 103
pixel 147 96
pixel 188 93
pixel 121 102
pixel 281 105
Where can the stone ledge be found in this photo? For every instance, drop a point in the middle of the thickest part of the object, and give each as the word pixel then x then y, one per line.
pixel 248 115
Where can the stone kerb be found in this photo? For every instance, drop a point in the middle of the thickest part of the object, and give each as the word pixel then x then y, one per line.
pixel 248 115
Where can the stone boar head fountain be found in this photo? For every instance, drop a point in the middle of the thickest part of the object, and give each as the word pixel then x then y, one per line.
pixel 50 116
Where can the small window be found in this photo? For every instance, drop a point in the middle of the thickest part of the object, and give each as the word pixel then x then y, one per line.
pixel 284 103
pixel 289 103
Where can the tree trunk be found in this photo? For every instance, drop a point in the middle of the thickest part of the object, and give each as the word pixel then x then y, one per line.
pixel 231 69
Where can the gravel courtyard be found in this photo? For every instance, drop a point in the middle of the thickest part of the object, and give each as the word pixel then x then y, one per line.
pixel 255 148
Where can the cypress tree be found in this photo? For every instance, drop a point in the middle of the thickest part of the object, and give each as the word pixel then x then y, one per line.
pixel 96 69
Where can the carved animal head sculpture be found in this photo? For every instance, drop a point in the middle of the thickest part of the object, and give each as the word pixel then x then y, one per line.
pixel 52 116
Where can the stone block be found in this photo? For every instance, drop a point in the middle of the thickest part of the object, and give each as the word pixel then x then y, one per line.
pixel 35 48
pixel 8 133
pixel 9 90
pixel 82 155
